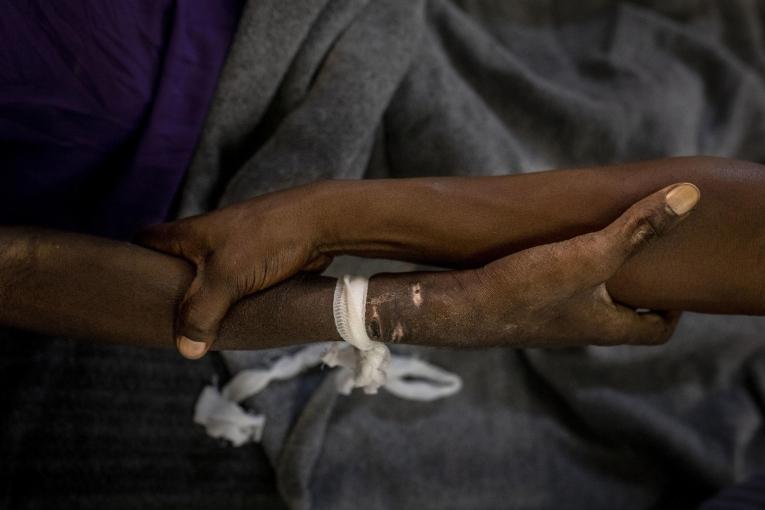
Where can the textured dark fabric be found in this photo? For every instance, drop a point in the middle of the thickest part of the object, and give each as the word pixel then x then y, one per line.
pixel 101 106
pixel 102 426
pixel 749 495
pixel 315 89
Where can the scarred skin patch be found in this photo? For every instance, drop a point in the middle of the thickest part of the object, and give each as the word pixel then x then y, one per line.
pixel 398 332
pixel 373 323
pixel 379 300
pixel 417 294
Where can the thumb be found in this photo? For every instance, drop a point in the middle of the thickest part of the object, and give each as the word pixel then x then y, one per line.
pixel 203 308
pixel 644 222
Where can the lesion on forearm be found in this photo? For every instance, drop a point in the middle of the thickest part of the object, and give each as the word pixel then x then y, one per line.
pixel 425 308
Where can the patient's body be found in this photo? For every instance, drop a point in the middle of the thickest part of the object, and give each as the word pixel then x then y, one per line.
pixel 95 288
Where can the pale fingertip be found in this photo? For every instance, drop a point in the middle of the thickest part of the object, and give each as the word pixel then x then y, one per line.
pixel 683 197
pixel 191 349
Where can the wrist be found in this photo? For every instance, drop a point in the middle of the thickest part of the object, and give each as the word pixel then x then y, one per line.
pixel 371 218
pixel 426 308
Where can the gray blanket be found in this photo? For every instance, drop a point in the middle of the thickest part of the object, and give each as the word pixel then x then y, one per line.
pixel 316 89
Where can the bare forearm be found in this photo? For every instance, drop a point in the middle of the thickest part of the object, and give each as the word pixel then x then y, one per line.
pixel 92 288
pixel 711 263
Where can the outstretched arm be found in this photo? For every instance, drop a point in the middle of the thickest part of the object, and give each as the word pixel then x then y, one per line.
pixel 549 295
pixel 713 263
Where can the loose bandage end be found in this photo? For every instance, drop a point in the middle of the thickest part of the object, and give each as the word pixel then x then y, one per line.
pixel 366 360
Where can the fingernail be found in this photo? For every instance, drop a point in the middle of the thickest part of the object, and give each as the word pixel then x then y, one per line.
pixel 683 198
pixel 190 348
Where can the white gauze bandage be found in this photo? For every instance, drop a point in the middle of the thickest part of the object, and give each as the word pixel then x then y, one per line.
pixel 362 363
pixel 366 360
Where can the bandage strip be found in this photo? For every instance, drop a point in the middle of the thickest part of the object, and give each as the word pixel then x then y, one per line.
pixel 366 359
pixel 363 363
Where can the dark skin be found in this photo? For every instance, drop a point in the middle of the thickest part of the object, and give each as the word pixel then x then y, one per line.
pixel 87 287
pixel 550 295
pixel 710 264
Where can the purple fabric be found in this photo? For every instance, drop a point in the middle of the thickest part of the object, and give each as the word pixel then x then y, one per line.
pixel 101 105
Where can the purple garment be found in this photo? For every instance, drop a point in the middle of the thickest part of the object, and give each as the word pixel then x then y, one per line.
pixel 101 106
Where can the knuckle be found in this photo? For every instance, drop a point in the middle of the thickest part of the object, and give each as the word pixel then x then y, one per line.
pixel 640 229
pixel 644 232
